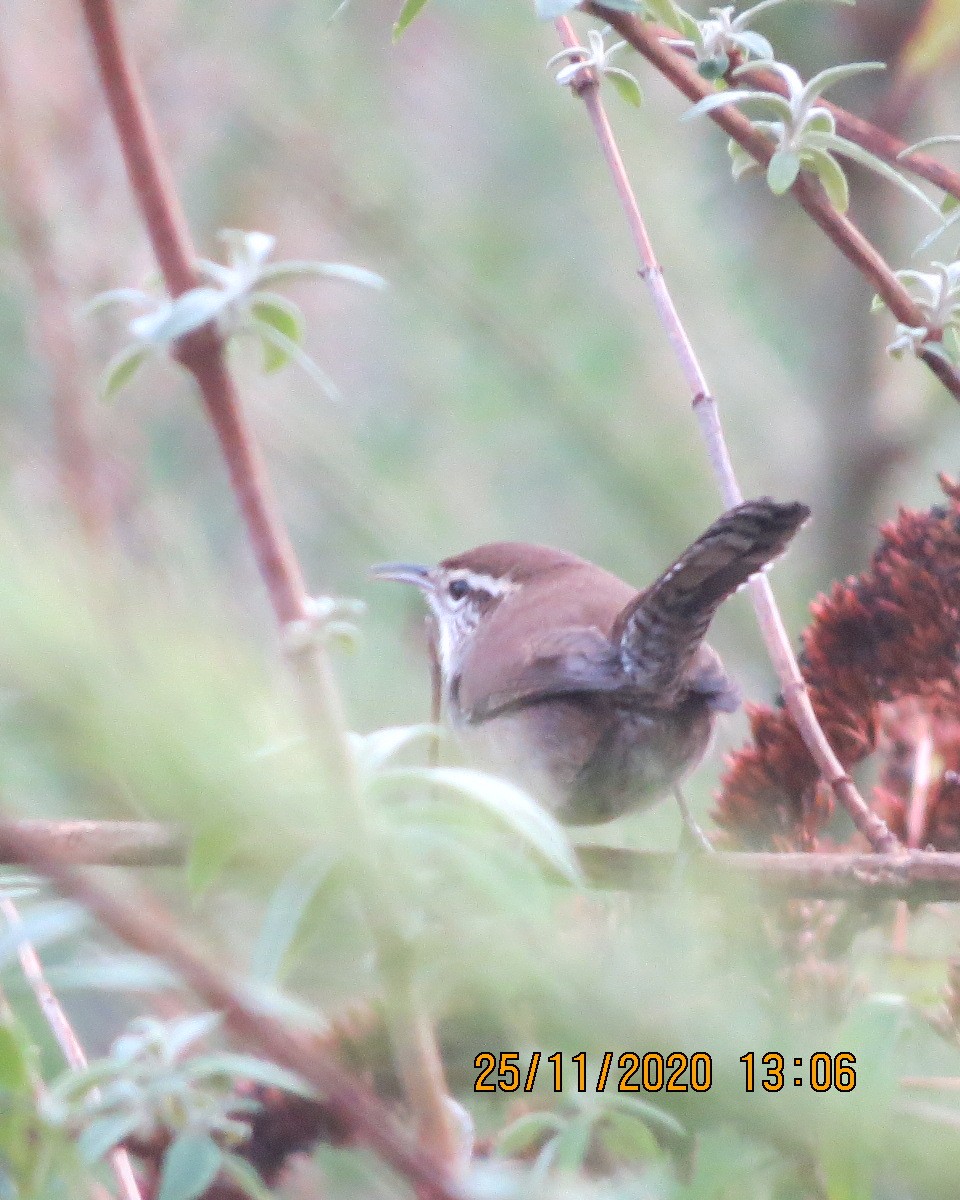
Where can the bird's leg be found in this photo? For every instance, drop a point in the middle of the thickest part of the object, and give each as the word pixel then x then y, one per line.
pixel 692 837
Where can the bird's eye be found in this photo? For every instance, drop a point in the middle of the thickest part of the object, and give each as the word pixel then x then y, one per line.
pixel 457 589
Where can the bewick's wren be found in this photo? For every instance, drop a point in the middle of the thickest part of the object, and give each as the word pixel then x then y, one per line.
pixel 595 696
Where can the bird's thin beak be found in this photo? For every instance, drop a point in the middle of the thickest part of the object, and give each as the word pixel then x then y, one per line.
pixel 403 573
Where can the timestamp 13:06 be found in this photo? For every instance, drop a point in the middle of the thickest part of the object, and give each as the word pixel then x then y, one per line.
pixel 821 1072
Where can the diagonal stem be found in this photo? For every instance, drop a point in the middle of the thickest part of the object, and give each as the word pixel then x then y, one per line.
pixel 707 412
pixel 202 354
pixel 807 191
pixel 144 925
pixel 65 1035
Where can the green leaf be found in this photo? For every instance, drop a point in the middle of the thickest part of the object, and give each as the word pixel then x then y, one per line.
pixel 666 1128
pixel 175 319
pixel 190 1165
pixel 285 911
pixel 713 68
pixel 522 1135
pixel 951 342
pixel 626 85
pixel 834 144
pixel 121 369
pixel 664 11
pixel 213 846
pixel 66 1087
pixel 820 120
pixel 935 236
pixel 184 1032
pixel 411 10
pixel 41 925
pixel 831 175
pixel 246 1066
pixel 293 269
pixel 14 1070
pixel 374 750
pixel 827 78
pixel 571 1144
pixel 502 800
pixel 114 296
pixel 101 1135
pixel 949 203
pixel 276 1003
pixel 721 99
pixel 754 43
pixel 247 248
pixel 628 1137
pixel 271 334
pixel 942 139
pixel 245 1176
pixel 283 316
pixel 741 160
pixel 782 171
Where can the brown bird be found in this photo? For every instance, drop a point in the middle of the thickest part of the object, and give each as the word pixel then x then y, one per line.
pixel 596 697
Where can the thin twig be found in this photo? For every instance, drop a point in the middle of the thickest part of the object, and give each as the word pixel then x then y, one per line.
pixel 110 843
pixel 705 407
pixel 807 190
pixel 142 924
pixel 932 875
pixel 66 1038
pixel 920 876
pixel 96 1189
pixel 202 353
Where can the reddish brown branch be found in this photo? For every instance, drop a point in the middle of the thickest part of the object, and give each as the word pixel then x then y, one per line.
pixel 915 876
pixel 108 843
pixel 848 239
pixel 918 876
pixel 202 352
pixel 146 927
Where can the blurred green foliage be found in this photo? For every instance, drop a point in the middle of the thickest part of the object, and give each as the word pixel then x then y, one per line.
pixel 512 383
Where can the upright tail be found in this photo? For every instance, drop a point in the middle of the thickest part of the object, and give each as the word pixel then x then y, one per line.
pixel 660 631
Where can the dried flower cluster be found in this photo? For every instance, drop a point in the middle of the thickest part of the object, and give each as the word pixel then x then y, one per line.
pixel 880 639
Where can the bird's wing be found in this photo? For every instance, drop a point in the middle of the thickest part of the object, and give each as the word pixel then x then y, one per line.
pixel 567 662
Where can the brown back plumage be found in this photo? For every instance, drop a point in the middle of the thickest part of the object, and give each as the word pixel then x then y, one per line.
pixel 603 635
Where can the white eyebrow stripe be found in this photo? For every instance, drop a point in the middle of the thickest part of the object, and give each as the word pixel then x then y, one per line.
pixel 477 581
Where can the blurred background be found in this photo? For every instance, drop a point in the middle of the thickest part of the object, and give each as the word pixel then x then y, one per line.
pixel 513 382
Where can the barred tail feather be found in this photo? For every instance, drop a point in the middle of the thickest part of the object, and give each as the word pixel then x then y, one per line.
pixel 660 631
